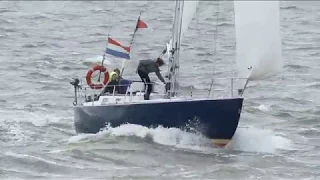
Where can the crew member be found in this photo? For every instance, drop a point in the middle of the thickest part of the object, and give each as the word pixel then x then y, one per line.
pixel 113 84
pixel 144 68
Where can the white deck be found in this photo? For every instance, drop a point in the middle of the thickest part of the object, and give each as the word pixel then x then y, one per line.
pixel 135 95
pixel 121 100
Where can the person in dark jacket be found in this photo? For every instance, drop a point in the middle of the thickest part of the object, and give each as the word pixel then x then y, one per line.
pixel 144 68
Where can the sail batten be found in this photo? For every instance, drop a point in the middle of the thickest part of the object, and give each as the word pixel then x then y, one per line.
pixel 258 41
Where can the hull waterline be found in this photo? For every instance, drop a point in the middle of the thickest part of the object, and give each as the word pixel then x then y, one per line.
pixel 216 119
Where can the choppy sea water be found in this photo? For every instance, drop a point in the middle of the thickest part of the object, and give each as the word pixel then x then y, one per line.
pixel 44 44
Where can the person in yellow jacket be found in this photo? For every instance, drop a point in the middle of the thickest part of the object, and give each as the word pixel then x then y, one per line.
pixel 113 84
pixel 118 72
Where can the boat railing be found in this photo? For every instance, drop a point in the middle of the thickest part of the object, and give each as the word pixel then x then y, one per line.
pixel 217 88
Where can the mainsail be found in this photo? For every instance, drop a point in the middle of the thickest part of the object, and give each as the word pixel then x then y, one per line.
pixel 189 9
pixel 259 50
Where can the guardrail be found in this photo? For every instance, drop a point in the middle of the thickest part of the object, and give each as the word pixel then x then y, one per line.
pixel 218 88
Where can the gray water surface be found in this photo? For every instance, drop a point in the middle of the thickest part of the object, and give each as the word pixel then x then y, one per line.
pixel 44 44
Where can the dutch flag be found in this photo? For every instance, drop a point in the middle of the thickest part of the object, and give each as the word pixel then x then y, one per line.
pixel 116 49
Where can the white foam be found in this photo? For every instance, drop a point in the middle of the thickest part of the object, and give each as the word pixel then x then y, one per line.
pixel 97 60
pixel 81 137
pixel 14 124
pixel 263 107
pixel 258 140
pixel 250 139
pixel 165 136
pixel 37 119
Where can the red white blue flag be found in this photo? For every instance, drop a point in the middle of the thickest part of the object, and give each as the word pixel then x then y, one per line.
pixel 114 48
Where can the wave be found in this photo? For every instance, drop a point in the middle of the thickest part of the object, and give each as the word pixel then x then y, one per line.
pixel 38 74
pixel 263 107
pixel 249 139
pixel 38 16
pixel 110 64
pixel 225 24
pixel 6 10
pixel 94 60
pixel 303 48
pixel 34 45
pixel 5 22
pixel 315 85
pixel 289 7
pixel 297 67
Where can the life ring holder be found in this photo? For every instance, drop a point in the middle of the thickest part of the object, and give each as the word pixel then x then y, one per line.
pixel 89 77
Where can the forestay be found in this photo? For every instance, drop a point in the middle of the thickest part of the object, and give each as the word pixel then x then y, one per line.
pixel 259 51
pixel 189 9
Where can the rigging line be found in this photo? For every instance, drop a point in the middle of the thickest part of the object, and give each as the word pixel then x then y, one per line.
pixel 131 42
pixel 176 65
pixel 171 38
pixel 111 19
pixel 197 14
pixel 136 30
pixel 109 27
pixel 215 45
pixel 180 34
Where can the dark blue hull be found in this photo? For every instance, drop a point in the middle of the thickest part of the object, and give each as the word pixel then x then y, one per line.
pixel 215 119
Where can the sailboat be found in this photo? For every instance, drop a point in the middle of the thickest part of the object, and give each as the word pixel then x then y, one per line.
pixel 258 56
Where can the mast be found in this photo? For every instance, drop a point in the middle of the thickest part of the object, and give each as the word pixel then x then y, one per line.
pixel 175 51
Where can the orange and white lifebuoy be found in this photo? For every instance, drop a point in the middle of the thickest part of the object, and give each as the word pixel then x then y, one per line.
pixel 103 70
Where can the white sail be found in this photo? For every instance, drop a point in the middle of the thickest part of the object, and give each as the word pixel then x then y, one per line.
pixel 259 50
pixel 169 46
pixel 189 9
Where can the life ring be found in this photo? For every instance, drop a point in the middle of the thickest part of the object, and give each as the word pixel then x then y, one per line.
pixel 89 77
